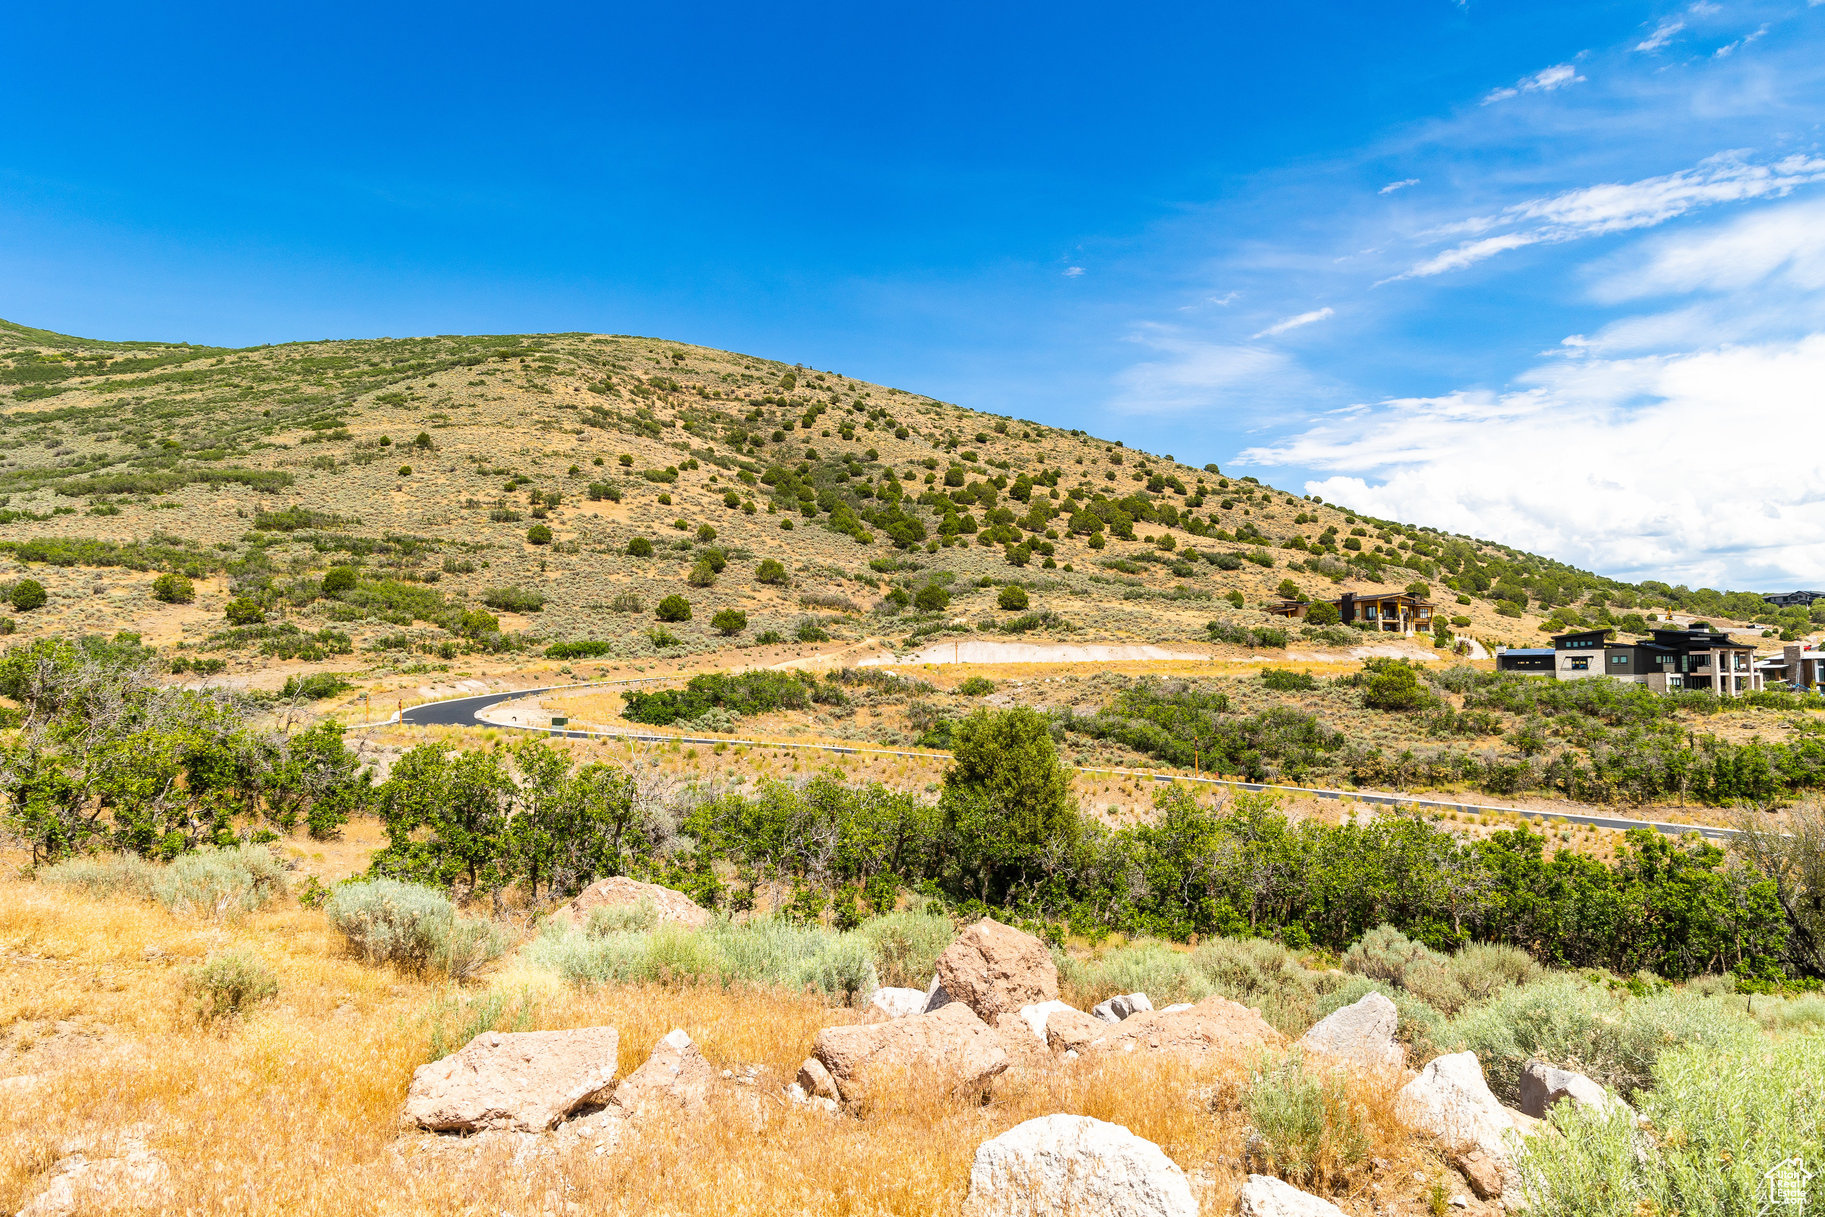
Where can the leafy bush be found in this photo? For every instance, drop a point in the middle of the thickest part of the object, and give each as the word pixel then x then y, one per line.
pixel 811 631
pixel 340 579
pixel 976 686
pixel 588 648
pixel 1719 1117
pixel 1610 1036
pixel 1145 966
pixel 639 547
pixel 513 600
pixel 1013 598
pixel 220 883
pixel 770 570
pixel 315 687
pixel 755 692
pixel 1313 1131
pixel 27 594
pixel 906 945
pixel 1323 613
pixel 673 608
pixel 111 875
pixel 1263 636
pixel 539 534
pixel 173 588
pixel 1262 973
pixel 412 927
pixel 243 611
pixel 1283 681
pixel 1390 684
pixel 730 621
pixel 765 952
pixel 227 984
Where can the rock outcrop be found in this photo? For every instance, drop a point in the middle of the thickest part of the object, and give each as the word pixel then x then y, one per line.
pixel 949 1043
pixel 1035 1016
pixel 995 969
pixel 1266 1196
pixel 521 1080
pixel 1542 1086
pixel 674 1077
pixel 1451 1101
pixel 1215 1025
pixel 668 906
pixel 1065 1165
pixel 1121 1006
pixel 1361 1033
pixel 129 1178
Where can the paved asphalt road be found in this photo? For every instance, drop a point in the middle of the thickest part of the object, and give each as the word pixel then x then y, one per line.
pixel 461 711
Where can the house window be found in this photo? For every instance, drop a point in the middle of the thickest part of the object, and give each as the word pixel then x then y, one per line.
pixel 1579 663
pixel 1619 659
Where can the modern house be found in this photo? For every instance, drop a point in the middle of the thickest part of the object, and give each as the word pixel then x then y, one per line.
pixel 1800 664
pixel 1388 612
pixel 1787 599
pixel 1670 659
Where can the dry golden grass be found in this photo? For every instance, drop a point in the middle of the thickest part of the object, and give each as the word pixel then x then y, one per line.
pixel 293 1108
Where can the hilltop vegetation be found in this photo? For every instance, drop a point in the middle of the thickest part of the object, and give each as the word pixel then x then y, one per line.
pixel 407 492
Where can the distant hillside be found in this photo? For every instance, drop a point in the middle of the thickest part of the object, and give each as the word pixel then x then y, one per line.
pixel 435 465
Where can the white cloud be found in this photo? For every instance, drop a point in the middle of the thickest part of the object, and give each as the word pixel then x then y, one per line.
pixel 1293 323
pixel 1774 248
pixel 1072 272
pixel 1619 207
pixel 1391 187
pixel 1189 375
pixel 1229 298
pixel 1745 40
pixel 1663 34
pixel 1652 467
pixel 1544 81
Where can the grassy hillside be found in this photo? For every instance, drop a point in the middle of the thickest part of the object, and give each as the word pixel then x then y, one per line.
pixel 435 467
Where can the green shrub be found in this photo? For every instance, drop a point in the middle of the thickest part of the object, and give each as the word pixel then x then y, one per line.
pixel 315 687
pixel 770 570
pixel 766 952
pixel 1262 973
pixel 455 1020
pixel 730 621
pixel 906 945
pixel 414 928
pixel 173 588
pixel 539 534
pixel 637 918
pixel 1013 598
pixel 1145 966
pixel 112 875
pixel 1392 685
pixel 976 686
pixel 339 579
pixel 1323 613
pixel 1718 1118
pixel 513 600
pixel 1610 1036
pixel 227 984
pixel 27 594
pixel 220 883
pixel 1313 1133
pixel 1284 681
pixel 242 611
pixel 639 547
pixel 673 608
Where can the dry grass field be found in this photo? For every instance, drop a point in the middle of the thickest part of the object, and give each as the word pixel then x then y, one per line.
pixel 293 1108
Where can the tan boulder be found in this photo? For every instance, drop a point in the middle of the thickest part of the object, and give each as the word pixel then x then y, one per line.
pixel 1073 1031
pixel 949 1043
pixel 1215 1026
pixel 1015 1035
pixel 522 1080
pixel 815 1080
pixel 674 1076
pixel 995 969
pixel 668 906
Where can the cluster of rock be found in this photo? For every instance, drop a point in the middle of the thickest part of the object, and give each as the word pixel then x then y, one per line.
pixel 993 1006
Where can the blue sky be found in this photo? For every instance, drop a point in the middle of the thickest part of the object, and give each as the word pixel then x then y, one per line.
pixel 1551 273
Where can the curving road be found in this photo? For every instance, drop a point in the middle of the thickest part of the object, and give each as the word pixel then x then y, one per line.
pixel 465 711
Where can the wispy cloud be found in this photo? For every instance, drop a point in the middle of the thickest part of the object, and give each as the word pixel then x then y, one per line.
pixel 1663 34
pixel 1544 81
pixel 1072 272
pixel 1618 207
pixel 1730 48
pixel 1391 187
pixel 1293 323
pixel 1187 376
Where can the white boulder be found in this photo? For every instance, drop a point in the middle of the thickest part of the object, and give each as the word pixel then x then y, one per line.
pixel 1542 1086
pixel 1266 1196
pixel 1451 1101
pixel 1362 1032
pixel 1061 1166
pixel 898 1003
pixel 1036 1014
